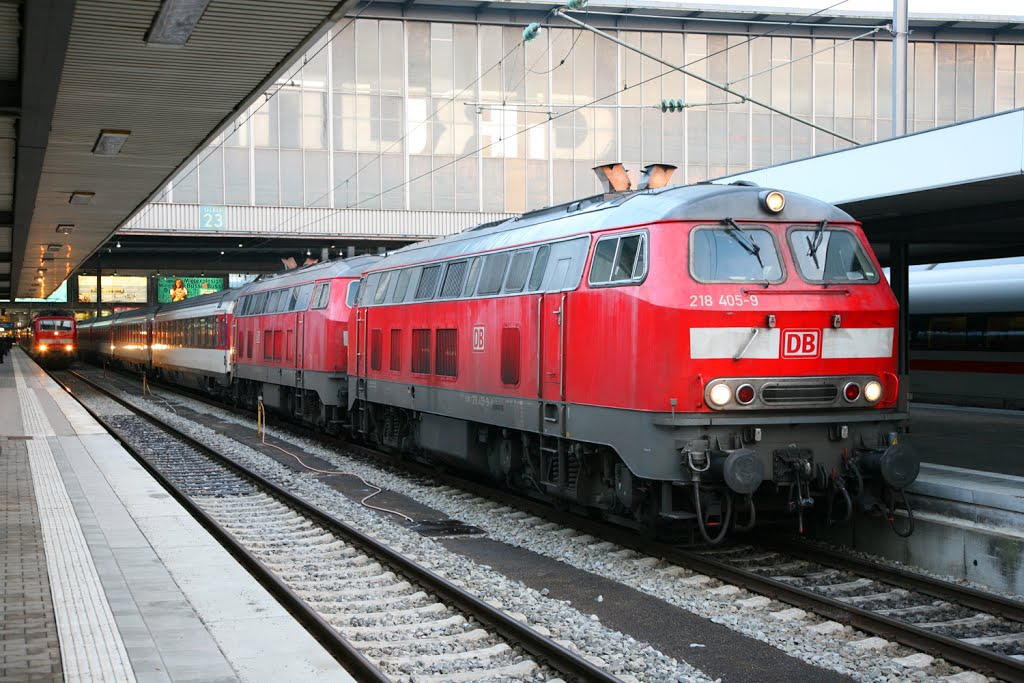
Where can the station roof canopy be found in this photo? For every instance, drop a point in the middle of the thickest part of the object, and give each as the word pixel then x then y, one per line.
pixel 163 77
pixel 953 193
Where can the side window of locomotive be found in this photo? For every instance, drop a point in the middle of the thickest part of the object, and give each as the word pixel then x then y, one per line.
pixel 402 286
pixel 474 276
pixel 539 264
pixel 293 299
pixel 493 273
pixel 830 256
pixel 368 289
pixel 352 294
pixel 382 287
pixel 454 276
pixel 321 295
pixel 257 307
pixel 428 283
pixel 519 270
pixel 728 255
pixel 305 291
pixel 619 260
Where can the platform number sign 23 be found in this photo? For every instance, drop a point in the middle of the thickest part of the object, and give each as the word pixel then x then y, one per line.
pixel 478 337
pixel 213 218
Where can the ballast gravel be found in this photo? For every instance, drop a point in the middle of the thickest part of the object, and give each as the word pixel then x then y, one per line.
pixel 812 639
pixel 620 654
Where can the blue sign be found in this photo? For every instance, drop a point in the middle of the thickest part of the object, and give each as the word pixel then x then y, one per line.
pixel 213 218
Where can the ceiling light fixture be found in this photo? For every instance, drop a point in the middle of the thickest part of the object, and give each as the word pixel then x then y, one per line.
pixel 81 198
pixel 175 21
pixel 110 142
pixel 118 245
pixel 65 229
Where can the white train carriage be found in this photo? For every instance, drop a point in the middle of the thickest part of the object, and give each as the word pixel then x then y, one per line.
pixel 967 336
pixel 191 341
pixel 130 339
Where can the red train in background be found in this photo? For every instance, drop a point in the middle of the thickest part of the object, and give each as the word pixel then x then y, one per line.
pixel 666 355
pixel 51 338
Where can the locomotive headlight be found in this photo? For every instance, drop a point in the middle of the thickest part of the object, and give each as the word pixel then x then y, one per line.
pixel 872 391
pixel 42 348
pixel 720 394
pixel 774 201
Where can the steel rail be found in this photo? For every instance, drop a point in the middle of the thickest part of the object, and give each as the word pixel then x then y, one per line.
pixel 354 661
pixel 951 649
pixel 542 647
pixel 963 595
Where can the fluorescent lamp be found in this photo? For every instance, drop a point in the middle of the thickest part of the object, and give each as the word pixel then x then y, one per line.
pixel 81 197
pixel 110 142
pixel 65 229
pixel 175 21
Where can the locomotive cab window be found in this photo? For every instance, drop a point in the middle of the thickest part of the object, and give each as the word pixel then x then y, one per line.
pixel 725 254
pixel 830 255
pixel 619 260
pixel 352 294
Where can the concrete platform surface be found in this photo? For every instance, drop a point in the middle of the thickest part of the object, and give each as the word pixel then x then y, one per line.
pixel 105 577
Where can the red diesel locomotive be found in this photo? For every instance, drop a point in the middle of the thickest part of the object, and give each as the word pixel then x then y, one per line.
pixel 51 338
pixel 678 353
pixel 671 354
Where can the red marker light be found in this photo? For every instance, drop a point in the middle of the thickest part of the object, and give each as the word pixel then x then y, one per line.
pixel 851 391
pixel 745 394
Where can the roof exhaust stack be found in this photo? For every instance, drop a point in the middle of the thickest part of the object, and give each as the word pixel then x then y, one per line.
pixel 613 177
pixel 655 176
pixel 350 251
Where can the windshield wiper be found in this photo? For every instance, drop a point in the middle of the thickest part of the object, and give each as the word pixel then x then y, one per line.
pixel 814 242
pixel 740 235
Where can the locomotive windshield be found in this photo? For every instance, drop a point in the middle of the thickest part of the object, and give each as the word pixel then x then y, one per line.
pixel 830 256
pixel 52 325
pixel 726 254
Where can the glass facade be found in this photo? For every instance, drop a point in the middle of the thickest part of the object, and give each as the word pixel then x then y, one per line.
pixel 403 114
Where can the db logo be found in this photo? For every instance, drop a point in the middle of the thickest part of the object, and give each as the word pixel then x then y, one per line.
pixel 801 343
pixel 478 338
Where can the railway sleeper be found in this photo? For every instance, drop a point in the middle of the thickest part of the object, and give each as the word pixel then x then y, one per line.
pixel 407 644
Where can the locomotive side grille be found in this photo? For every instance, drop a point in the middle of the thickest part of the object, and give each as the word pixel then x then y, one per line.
pixel 784 394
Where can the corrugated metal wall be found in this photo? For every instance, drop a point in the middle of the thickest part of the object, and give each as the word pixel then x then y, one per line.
pixel 286 221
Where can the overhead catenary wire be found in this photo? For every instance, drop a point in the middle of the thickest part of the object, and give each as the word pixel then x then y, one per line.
pixel 574 108
pixel 721 86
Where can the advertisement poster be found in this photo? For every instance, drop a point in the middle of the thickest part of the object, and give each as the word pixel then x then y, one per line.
pixel 170 289
pixel 122 289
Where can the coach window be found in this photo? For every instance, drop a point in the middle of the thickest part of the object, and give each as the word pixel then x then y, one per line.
pixel 540 264
pixel 454 276
pixel 830 255
pixel 428 283
pixel 725 254
pixel 493 273
pixel 619 260
pixel 518 271
pixel 402 286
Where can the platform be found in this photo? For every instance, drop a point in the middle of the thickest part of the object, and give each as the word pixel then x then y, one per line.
pixel 968 499
pixel 105 577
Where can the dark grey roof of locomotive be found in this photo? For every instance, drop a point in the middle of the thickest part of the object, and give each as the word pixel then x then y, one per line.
pixel 602 212
pixel 349 267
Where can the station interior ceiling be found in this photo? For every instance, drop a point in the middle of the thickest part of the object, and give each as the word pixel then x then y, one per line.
pixel 69 71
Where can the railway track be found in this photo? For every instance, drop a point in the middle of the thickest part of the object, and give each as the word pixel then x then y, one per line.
pixel 970 628
pixel 382 614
